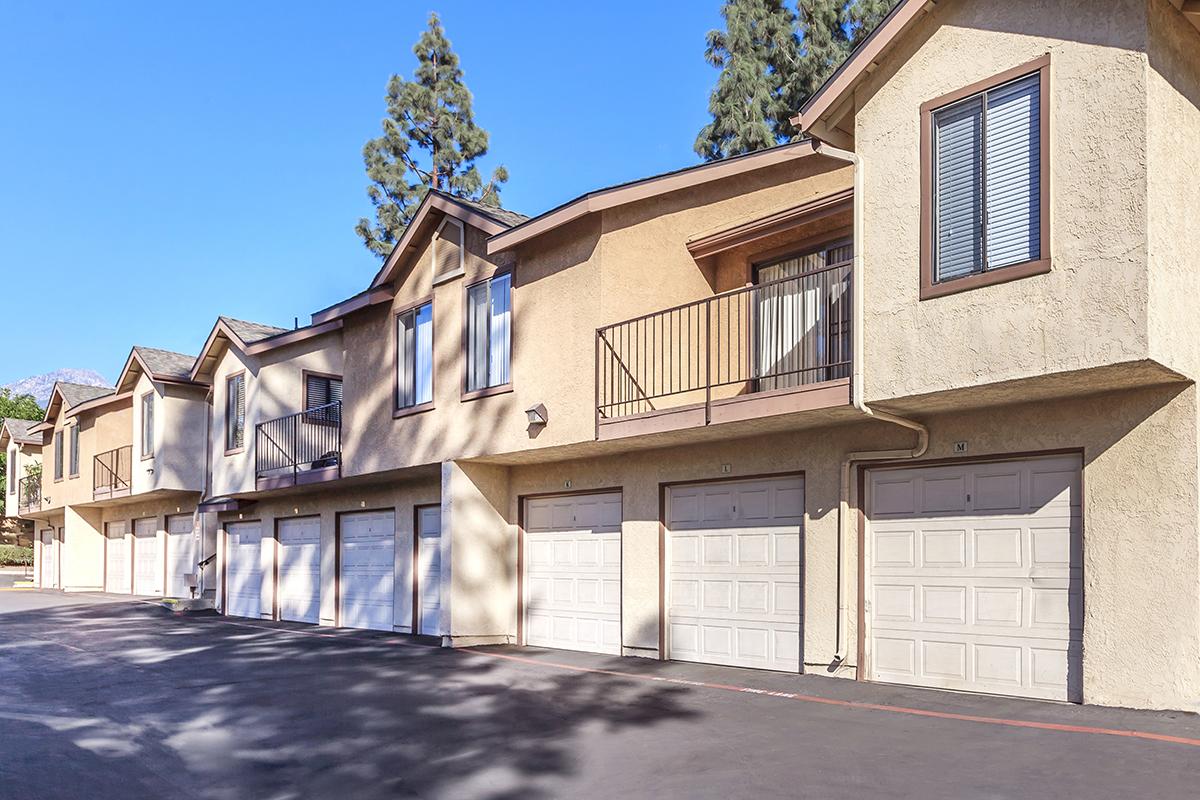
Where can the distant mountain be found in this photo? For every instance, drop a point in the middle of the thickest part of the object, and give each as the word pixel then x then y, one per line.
pixel 40 386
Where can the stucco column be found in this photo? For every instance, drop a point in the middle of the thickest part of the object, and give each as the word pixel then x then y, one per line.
pixel 82 550
pixel 479 555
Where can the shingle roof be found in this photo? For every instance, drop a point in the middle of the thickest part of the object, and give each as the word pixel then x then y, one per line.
pixel 75 393
pixel 250 332
pixel 501 215
pixel 18 429
pixel 166 364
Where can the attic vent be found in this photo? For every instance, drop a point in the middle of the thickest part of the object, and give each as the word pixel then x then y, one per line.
pixel 448 248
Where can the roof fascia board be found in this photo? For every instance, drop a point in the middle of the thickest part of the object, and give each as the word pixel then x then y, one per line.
pixel 371 297
pixel 641 190
pixel 219 330
pixel 98 402
pixel 902 15
pixel 729 238
pixel 290 337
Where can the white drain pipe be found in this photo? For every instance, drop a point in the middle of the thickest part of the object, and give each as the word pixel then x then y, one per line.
pixel 846 529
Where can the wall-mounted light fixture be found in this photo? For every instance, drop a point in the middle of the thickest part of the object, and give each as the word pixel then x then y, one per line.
pixel 537 415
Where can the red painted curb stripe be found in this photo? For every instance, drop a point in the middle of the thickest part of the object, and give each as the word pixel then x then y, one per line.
pixel 805 698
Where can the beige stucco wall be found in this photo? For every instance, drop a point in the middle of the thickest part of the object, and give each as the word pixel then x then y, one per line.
pixel 1141 562
pixel 21 457
pixel 274 388
pixel 180 423
pixel 103 429
pixel 328 502
pixel 1173 173
pixel 597 270
pixel 1093 307
pixel 83 549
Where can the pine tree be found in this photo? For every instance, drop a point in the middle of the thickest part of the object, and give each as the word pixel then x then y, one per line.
pixel 755 53
pixel 430 140
pixel 772 60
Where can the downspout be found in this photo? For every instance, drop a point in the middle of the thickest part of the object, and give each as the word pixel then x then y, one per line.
pixel 847 530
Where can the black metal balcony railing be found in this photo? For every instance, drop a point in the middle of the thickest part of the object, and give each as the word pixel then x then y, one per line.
pixel 782 334
pixel 29 492
pixel 112 471
pixel 298 443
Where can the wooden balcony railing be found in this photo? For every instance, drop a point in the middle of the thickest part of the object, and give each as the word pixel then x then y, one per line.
pixel 111 473
pixel 29 492
pixel 787 334
pixel 304 447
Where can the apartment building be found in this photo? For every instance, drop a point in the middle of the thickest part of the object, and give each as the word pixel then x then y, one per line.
pixel 911 400
pixel 123 472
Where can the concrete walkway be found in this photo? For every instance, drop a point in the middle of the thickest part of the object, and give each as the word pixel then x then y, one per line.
pixel 110 698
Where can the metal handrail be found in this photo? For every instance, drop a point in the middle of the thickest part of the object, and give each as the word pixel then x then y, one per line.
pixel 305 440
pixel 29 491
pixel 112 470
pixel 780 334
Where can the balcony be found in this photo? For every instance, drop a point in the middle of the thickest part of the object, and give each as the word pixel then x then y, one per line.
pixel 777 347
pixel 111 473
pixel 29 493
pixel 298 449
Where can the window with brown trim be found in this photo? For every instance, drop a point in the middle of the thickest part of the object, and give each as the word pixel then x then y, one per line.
pixel 489 333
pixel 322 398
pixel 235 412
pixel 147 425
pixel 985 182
pixel 74 450
pixel 58 455
pixel 414 357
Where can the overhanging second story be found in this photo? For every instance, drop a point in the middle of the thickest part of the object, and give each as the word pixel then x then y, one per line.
pixel 23 480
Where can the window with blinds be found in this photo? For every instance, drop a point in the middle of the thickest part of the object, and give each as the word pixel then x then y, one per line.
pixel 235 412
pixel 414 357
pixel 147 424
pixel 322 399
pixel 489 333
pixel 986 181
pixel 58 455
pixel 448 248
pixel 74 450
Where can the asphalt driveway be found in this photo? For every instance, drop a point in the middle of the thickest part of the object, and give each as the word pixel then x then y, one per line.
pixel 107 698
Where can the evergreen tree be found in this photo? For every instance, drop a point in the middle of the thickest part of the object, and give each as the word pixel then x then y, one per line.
pixel 772 60
pixel 430 140
pixel 21 406
pixel 756 53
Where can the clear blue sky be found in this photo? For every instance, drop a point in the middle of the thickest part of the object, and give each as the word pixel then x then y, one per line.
pixel 162 163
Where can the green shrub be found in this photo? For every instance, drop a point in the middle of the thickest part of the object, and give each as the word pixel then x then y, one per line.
pixel 13 556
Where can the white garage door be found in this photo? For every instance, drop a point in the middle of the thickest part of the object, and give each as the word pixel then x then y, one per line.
pixel 733 589
pixel 117 573
pixel 429 570
pixel 573 572
pixel 147 560
pixel 300 569
pixel 49 562
pixel 243 569
pixel 974 577
pixel 368 569
pixel 181 554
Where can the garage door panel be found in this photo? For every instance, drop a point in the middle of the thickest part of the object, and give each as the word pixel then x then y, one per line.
pixel 300 570
pixel 148 562
pixel 987 597
pixel 573 572
pixel 118 575
pixel 181 554
pixel 244 572
pixel 734 587
pixel 368 557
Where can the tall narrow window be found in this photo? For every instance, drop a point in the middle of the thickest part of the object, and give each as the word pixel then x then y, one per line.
pixel 235 411
pixel 414 357
pixel 322 399
pixel 986 190
pixel 148 425
pixel 58 455
pixel 74 450
pixel 489 333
